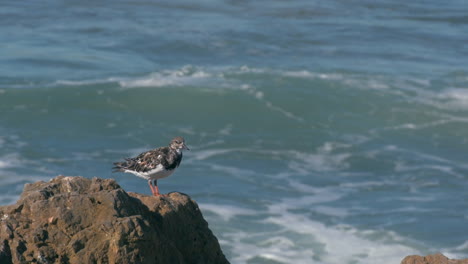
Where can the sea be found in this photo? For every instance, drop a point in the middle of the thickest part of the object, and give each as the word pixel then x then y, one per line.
pixel 319 131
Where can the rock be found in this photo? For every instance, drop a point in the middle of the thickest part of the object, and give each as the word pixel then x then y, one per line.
pixel 80 220
pixel 432 259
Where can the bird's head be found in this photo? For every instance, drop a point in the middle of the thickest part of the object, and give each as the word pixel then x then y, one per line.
pixel 178 143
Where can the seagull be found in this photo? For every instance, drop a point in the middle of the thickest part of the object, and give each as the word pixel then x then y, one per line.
pixel 154 164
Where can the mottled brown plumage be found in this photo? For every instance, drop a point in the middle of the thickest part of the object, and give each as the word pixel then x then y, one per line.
pixel 154 164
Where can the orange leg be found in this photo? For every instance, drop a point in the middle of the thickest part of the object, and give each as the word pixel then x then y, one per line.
pixel 156 190
pixel 153 184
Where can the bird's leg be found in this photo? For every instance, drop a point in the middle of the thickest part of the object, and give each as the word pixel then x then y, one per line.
pixel 150 183
pixel 156 189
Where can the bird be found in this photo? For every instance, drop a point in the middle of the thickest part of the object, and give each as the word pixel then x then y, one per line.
pixel 154 164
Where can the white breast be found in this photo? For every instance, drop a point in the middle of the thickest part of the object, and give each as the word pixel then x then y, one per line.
pixel 157 173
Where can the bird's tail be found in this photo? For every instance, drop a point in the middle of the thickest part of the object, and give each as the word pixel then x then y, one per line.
pixel 122 166
pixel 119 167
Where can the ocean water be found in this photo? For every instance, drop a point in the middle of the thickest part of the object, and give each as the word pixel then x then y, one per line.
pixel 320 131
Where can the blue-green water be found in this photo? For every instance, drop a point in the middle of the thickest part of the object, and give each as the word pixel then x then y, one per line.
pixel 320 132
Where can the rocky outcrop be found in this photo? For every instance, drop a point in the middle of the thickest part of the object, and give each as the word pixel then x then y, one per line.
pixel 432 259
pixel 80 220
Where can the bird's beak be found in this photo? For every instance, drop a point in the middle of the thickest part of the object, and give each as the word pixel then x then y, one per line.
pixel 185 147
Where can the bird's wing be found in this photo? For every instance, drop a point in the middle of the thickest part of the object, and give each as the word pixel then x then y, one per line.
pixel 144 162
pixel 148 160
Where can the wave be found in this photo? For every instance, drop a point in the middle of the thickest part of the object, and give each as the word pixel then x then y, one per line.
pixel 457 252
pixel 9 156
pixel 255 82
pixel 187 75
pixel 288 237
pixel 209 80
pixel 340 244
pixel 227 212
pixel 10 160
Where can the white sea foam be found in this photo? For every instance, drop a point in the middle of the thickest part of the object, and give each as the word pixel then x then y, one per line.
pixel 190 74
pixel 10 160
pixel 187 75
pixel 235 172
pixel 277 248
pixel 412 126
pixel 332 211
pixel 445 169
pixel 462 247
pixel 313 75
pixel 338 244
pixel 211 79
pixel 458 252
pixel 247 69
pixel 85 82
pixel 451 98
pixel 299 239
pixel 353 80
pixel 323 159
pixel 365 184
pixel 226 212
pixel 281 110
pixel 454 98
pixel 410 89
pixel 314 195
pixel 326 158
pixel 431 162
pixel 218 79
pixel 208 153
pixel 226 131
pixel 259 95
